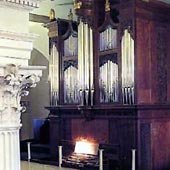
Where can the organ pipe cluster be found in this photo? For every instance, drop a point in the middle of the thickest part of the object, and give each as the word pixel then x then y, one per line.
pixel 127 50
pixel 78 72
pixel 85 63
pixel 54 75
pixel 109 82
pixel 71 94
pixel 108 39
pixel 108 79
pixel 70 46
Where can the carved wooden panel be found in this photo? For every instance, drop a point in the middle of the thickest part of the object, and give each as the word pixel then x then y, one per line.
pixel 143 61
pixel 123 133
pixel 161 65
pixel 161 145
pixel 145 145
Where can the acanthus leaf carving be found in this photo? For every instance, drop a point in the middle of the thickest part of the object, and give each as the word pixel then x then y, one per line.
pixel 12 87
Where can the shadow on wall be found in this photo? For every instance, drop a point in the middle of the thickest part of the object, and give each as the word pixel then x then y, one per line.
pixel 38 96
pixel 38 59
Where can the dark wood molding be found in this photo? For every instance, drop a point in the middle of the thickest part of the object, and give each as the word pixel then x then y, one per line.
pixel 38 18
pixel 153 10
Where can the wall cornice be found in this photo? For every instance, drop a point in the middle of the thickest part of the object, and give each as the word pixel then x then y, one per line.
pixel 23 4
pixel 28 37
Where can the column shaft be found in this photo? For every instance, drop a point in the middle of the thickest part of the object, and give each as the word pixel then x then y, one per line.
pixel 9 150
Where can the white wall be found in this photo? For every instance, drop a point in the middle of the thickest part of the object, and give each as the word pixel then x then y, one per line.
pixel 39 97
pixel 42 42
pixel 61 11
pixel 16 19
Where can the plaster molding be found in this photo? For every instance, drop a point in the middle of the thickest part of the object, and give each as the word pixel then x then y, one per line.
pixel 16 47
pixel 10 128
pixel 13 85
pixel 17 36
pixel 22 4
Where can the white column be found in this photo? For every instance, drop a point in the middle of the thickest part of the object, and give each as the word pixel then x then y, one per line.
pixel 9 144
pixel 16 44
pixel 13 85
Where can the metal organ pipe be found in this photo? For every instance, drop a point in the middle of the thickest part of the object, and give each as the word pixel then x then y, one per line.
pixel 86 62
pixel 91 66
pixel 80 61
pixel 50 78
pixel 86 56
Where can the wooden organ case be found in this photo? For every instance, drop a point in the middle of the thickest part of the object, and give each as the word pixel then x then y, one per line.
pixel 110 79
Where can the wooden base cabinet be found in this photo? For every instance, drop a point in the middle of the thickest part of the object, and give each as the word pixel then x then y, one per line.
pixel 145 128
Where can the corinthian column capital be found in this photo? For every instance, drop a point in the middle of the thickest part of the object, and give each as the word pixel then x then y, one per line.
pixel 14 84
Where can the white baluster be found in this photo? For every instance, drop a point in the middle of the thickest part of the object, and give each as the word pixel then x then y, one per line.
pixel 60 155
pixel 133 158
pixel 29 150
pixel 101 159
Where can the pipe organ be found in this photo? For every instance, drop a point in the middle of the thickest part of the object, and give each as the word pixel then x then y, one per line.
pixel 71 68
pixel 110 80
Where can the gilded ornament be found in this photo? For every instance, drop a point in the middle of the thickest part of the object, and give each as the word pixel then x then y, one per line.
pixel 77 5
pixel 52 15
pixel 107 6
pixel 70 15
